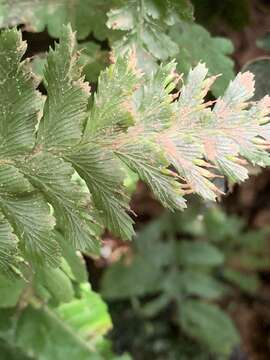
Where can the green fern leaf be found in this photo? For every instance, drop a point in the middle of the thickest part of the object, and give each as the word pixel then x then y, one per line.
pixel 67 96
pixel 189 131
pixel 72 208
pixel 222 135
pixel 164 186
pixel 24 210
pixel 153 112
pixel 8 247
pixel 31 178
pixel 32 222
pixel 19 102
pixel 103 176
pixel 112 107
pixel 175 142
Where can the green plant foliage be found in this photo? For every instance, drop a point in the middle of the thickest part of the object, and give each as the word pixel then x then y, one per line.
pixel 43 170
pixel 64 159
pixel 152 338
pixel 11 353
pixel 10 291
pixel 245 253
pixel 86 16
pixel 70 330
pixel 146 24
pixel 209 324
pixel 196 44
pixel 142 25
pixel 165 268
pixel 160 31
pixel 202 254
pixel 93 60
pixel 134 121
pixel 54 316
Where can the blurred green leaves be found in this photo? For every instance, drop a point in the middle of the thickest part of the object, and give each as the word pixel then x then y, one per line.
pixel 195 45
pixel 85 16
pixel 210 325
pixel 71 330
pixel 191 259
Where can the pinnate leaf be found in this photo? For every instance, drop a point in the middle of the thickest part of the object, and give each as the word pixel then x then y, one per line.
pixel 19 102
pixel 67 96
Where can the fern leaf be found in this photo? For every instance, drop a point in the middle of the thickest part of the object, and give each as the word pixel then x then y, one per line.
pixel 153 101
pixel 193 90
pixel 153 112
pixel 29 216
pixel 103 177
pixel 164 186
pixel 227 132
pixel 111 114
pixel 12 181
pixel 19 102
pixel 176 142
pixel 31 178
pixel 53 177
pixel 65 106
pixel 32 222
pixel 193 137
pixel 112 107
pixel 8 247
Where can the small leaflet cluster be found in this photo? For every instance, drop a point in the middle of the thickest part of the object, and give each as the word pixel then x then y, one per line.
pixel 176 143
pixel 145 25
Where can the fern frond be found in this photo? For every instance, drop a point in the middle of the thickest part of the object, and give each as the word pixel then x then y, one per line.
pixel 176 143
pixel 113 101
pixel 8 247
pixel 195 137
pixel 104 178
pixel 37 192
pixel 72 208
pixel 167 190
pixel 67 96
pixel 232 130
pixel 19 102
